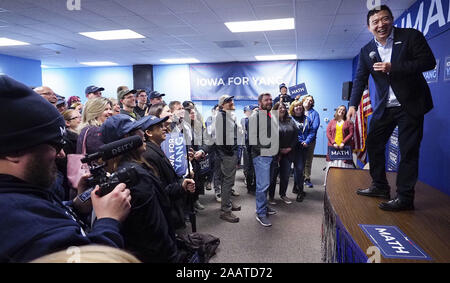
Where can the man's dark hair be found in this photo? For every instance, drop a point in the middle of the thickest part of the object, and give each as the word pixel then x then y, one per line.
pixel 376 10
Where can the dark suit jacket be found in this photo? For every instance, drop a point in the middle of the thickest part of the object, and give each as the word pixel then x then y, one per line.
pixel 411 56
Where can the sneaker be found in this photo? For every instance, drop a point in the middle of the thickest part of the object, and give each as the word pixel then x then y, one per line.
pixel 208 186
pixel 198 205
pixel 218 198
pixel 272 201
pixel 235 207
pixel 286 200
pixel 270 211
pixel 308 183
pixel 230 217
pixel 300 196
pixel 234 193
pixel 263 220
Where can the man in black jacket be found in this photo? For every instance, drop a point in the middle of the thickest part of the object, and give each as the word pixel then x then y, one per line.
pixel 396 59
pixel 227 147
pixel 34 221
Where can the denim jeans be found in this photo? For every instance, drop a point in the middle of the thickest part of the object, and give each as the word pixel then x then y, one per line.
pixel 263 174
pixel 299 166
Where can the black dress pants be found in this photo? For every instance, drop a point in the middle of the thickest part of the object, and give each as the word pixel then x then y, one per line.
pixel 410 132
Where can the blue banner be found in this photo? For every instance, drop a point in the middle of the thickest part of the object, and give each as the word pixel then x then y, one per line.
pixel 174 147
pixel 244 81
pixel 299 89
pixel 393 243
pixel 431 17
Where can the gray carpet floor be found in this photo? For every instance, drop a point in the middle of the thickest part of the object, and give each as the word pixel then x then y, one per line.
pixel 295 234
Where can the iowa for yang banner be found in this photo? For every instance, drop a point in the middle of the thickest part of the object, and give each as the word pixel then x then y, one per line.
pixel 244 81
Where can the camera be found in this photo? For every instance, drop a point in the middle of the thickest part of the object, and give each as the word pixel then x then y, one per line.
pixel 99 176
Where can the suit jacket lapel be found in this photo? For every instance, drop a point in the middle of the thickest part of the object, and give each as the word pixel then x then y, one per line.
pixel 396 45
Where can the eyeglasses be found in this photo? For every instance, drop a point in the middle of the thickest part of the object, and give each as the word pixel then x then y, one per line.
pixel 77 117
pixel 57 145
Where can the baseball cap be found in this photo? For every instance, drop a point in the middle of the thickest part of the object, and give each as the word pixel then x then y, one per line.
pixel 117 126
pixel 224 99
pixel 93 88
pixel 149 121
pixel 155 94
pixel 61 100
pixel 283 85
pixel 124 92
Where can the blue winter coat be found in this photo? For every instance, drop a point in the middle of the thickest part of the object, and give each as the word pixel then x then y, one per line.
pixel 305 133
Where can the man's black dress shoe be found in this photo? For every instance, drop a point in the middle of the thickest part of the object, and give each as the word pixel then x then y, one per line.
pixel 374 192
pixel 396 205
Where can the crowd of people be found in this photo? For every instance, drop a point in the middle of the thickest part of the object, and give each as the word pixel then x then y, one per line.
pixel 144 218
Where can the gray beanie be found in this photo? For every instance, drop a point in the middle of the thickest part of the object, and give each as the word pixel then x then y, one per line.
pixel 27 119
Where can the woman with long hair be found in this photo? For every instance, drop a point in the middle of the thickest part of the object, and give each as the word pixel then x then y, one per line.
pixel 95 113
pixel 305 136
pixel 339 134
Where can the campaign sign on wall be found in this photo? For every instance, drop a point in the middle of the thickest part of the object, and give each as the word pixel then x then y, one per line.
pixel 431 17
pixel 432 76
pixel 393 243
pixel 243 80
pixel 174 148
pixel 299 89
pixel 447 69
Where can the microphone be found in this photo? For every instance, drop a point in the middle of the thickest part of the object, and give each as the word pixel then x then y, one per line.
pixel 373 56
pixel 114 149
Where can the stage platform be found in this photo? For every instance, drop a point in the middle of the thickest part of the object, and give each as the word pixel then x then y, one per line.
pixel 343 239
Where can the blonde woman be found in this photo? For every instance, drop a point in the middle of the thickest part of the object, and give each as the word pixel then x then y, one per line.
pixel 95 113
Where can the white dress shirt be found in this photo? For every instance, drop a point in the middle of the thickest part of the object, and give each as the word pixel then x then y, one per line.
pixel 385 55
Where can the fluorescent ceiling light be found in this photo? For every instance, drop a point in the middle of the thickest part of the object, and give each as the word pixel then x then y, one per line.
pixel 276 57
pixel 180 61
pixel 11 42
pixel 100 63
pixel 265 25
pixel 113 34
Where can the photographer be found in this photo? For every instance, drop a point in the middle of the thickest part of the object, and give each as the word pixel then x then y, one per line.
pixel 34 221
pixel 148 230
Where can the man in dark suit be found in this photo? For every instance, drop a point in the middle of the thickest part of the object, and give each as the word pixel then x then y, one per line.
pixel 396 59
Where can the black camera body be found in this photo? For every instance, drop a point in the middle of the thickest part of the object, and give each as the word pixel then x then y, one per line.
pixel 107 182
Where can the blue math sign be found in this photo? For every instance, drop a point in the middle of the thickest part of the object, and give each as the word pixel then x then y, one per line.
pixel 297 90
pixel 340 154
pixel 393 243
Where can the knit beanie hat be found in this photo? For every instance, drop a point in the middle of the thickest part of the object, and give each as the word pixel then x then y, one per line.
pixel 37 121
